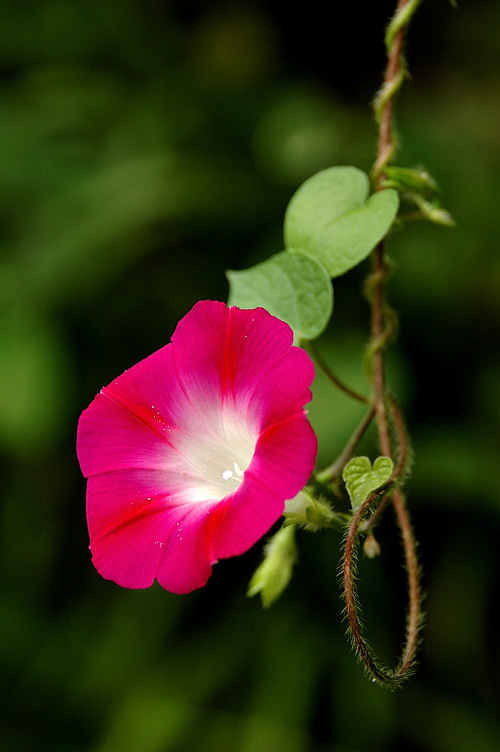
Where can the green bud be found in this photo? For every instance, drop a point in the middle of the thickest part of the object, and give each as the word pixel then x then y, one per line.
pixel 273 575
pixel 312 513
pixel 410 180
pixel 433 212
pixel 419 187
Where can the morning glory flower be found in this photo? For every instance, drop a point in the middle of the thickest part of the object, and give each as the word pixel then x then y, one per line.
pixel 191 454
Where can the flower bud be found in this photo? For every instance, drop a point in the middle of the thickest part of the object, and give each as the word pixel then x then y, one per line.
pixel 371 547
pixel 275 572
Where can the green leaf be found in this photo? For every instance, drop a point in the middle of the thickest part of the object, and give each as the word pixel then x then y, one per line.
pixel 331 217
pixel 361 479
pixel 291 285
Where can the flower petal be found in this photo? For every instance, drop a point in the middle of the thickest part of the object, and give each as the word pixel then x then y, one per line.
pixel 282 464
pixel 254 362
pixel 191 453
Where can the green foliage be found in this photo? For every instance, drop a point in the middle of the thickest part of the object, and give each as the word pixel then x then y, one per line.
pixel 102 249
pixel 291 285
pixel 34 382
pixel 361 479
pixel 298 136
pixel 330 226
pixel 332 218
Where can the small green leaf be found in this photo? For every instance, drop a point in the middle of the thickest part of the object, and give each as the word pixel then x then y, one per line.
pixel 291 285
pixel 361 479
pixel 331 217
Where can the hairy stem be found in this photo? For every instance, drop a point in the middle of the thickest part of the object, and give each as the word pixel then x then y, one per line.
pixel 395 74
pixel 387 677
pixel 414 617
pixel 382 326
pixel 400 468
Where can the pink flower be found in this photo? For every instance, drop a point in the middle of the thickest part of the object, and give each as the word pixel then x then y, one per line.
pixel 191 454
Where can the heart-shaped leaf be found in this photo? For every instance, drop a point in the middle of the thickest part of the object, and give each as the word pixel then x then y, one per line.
pixel 291 285
pixel 331 217
pixel 361 479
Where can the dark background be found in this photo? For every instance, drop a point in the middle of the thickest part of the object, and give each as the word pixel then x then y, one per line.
pixel 146 147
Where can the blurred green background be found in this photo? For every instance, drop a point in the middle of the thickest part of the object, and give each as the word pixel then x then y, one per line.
pixel 145 148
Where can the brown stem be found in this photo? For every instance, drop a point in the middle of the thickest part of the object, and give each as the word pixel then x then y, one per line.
pixel 380 326
pixel 402 441
pixel 378 357
pixel 392 81
pixel 385 137
pixel 414 617
pixel 391 678
pixel 401 466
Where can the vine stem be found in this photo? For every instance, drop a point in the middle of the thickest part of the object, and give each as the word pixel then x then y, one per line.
pixel 395 74
pixel 400 469
pixel 387 677
pixel 381 329
pixel 318 358
pixel 335 469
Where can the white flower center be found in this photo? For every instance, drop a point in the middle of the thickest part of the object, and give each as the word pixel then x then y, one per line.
pixel 216 461
pixel 230 474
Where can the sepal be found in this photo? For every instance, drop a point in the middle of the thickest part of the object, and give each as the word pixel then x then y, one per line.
pixel 313 513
